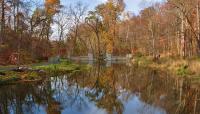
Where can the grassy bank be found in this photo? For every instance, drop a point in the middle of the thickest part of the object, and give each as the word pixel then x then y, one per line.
pixel 15 77
pixel 178 67
pixel 40 72
pixel 63 67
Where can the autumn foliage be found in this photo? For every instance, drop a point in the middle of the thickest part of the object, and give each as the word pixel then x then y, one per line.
pixel 169 28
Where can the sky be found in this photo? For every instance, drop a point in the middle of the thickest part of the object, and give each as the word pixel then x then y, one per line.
pixel 134 6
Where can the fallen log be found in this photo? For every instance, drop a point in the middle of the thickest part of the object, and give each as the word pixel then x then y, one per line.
pixel 26 69
pixel 38 70
pixel 22 69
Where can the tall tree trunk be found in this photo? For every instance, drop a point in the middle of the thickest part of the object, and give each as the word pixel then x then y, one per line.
pixel 182 37
pixel 14 15
pixel 17 17
pixel 198 30
pixel 152 35
pixel 2 21
pixel 178 43
pixel 48 28
pixel 98 45
pixel 98 39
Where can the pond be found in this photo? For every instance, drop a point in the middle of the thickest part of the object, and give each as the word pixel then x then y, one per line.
pixel 115 89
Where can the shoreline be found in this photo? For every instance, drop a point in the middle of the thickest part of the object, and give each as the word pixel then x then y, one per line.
pixel 178 67
pixel 38 73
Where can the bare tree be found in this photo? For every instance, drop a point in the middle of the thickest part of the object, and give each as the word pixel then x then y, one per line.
pixel 93 21
pixel 77 15
pixel 62 20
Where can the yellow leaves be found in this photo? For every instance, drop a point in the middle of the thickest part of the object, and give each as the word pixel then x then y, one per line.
pixel 109 48
pixel 109 14
pixel 106 78
pixel 107 38
pixel 109 44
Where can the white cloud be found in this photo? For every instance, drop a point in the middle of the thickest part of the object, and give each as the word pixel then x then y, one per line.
pixel 102 1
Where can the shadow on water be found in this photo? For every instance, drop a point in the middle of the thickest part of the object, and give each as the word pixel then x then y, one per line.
pixel 113 89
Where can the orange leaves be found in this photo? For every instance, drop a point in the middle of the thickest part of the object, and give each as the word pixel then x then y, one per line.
pixel 110 12
pixel 52 6
pixel 52 2
pixel 109 48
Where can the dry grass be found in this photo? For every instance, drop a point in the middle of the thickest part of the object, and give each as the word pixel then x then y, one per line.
pixel 186 67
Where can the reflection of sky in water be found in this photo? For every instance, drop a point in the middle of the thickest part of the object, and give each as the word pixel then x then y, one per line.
pixel 136 106
pixel 74 101
pixel 91 109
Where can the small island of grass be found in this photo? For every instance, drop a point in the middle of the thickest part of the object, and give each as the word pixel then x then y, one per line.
pixel 38 73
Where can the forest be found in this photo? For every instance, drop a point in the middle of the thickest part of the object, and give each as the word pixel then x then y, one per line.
pixel 33 31
pixel 96 56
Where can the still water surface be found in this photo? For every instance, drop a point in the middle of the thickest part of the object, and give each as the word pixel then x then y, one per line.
pixel 115 89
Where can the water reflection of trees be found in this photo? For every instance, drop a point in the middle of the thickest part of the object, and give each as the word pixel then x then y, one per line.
pixel 107 87
pixel 154 87
pixel 28 98
pixel 20 98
